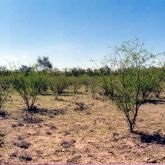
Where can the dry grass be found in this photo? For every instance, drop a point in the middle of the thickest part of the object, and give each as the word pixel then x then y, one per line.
pixel 98 134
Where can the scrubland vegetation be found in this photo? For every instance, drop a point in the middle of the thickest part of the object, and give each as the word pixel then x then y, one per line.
pixel 116 111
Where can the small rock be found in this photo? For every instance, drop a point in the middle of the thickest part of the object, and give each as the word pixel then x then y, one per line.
pixel 151 161
pixel 48 133
pixel 22 144
pixel 63 150
pixel 39 152
pixel 66 133
pixel 20 123
pixel 75 159
pixel 2 113
pixel 1 143
pixel 25 157
pixel 88 113
pixel 52 127
pixel 67 144
pixel 81 106
pixel 2 134
pixel 20 138
pixel 14 125
pixel 51 116
pixel 14 154
pixel 39 125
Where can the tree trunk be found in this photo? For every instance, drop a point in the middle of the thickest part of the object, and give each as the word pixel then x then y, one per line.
pixel 131 127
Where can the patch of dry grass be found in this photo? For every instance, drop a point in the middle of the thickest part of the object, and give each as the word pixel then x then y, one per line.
pixel 97 134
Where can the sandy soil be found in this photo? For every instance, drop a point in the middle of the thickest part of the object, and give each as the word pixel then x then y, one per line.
pixel 62 133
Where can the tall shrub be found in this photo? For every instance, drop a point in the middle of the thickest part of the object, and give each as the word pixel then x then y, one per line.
pixel 131 80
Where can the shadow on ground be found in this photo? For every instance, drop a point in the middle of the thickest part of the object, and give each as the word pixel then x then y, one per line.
pixel 154 101
pixel 45 111
pixel 30 116
pixel 151 138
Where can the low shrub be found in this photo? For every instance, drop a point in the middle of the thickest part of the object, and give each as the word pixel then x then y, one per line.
pixel 58 85
pixel 5 86
pixel 29 87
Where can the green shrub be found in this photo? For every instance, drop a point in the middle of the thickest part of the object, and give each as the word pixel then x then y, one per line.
pixel 130 81
pixel 86 82
pixel 4 90
pixel 29 87
pixel 58 85
pixel 94 86
pixel 75 83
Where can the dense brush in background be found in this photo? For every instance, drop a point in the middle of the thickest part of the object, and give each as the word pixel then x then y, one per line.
pixel 129 79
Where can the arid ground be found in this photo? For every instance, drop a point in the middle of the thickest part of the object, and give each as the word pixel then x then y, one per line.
pixel 68 131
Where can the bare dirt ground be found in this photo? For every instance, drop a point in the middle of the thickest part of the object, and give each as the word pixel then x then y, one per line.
pixel 65 133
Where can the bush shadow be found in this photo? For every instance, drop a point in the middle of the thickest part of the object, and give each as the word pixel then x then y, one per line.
pixel 155 138
pixel 45 111
pixel 154 101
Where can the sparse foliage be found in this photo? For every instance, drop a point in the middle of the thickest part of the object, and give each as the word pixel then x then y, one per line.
pixel 58 85
pixel 25 69
pixel 131 80
pixel 29 87
pixel 4 91
pixel 44 64
pixel 94 86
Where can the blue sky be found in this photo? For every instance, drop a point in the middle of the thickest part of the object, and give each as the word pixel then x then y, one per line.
pixel 72 32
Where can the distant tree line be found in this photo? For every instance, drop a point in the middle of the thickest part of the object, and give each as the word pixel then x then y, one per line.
pixel 131 79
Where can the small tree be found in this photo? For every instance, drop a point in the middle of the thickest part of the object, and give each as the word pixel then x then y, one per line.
pixel 105 70
pixel 25 68
pixel 75 83
pixel 44 64
pixel 77 71
pixel 4 71
pixel 86 82
pixel 131 79
pixel 58 85
pixel 94 86
pixel 89 72
pixel 4 92
pixel 29 87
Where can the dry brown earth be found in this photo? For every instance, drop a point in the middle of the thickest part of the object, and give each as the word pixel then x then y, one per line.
pixel 65 134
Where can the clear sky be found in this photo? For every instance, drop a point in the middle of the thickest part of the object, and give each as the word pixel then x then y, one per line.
pixel 72 32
